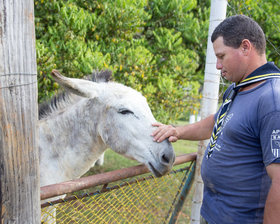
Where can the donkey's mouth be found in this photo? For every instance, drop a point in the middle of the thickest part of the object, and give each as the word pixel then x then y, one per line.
pixel 154 171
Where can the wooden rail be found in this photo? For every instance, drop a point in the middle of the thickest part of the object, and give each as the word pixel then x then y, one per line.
pixel 103 178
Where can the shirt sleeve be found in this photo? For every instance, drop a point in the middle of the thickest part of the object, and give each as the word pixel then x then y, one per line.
pixel 270 138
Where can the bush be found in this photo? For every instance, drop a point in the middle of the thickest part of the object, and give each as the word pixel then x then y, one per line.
pixel 151 46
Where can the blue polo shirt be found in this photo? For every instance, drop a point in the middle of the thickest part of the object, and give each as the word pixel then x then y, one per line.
pixel 236 183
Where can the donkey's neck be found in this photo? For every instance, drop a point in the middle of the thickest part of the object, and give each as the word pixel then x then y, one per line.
pixel 69 142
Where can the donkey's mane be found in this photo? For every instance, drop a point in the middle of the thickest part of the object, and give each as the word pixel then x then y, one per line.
pixel 57 102
pixel 64 99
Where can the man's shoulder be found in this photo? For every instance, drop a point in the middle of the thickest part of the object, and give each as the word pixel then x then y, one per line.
pixel 270 96
pixel 272 88
pixel 275 84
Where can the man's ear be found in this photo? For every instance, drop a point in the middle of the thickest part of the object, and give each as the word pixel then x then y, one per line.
pixel 246 47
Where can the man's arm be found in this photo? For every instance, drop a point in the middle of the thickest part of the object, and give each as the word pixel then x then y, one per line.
pixel 272 205
pixel 197 131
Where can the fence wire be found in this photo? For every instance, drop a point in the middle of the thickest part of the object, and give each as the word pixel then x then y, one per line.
pixel 140 200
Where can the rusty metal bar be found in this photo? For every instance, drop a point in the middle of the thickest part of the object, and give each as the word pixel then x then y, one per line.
pixel 107 189
pixel 103 178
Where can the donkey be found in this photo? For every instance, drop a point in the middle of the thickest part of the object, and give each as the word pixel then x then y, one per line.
pixel 77 128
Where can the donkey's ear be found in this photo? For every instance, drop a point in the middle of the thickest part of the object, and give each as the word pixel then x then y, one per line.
pixel 79 87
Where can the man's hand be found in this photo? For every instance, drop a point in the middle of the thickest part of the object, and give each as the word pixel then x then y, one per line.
pixel 165 131
pixel 200 130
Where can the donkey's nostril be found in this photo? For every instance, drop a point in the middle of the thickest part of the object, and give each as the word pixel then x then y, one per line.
pixel 165 159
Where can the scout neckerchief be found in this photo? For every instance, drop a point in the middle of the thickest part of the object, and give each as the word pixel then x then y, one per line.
pixel 227 103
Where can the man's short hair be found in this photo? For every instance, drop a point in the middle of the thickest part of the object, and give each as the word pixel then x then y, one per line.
pixel 236 28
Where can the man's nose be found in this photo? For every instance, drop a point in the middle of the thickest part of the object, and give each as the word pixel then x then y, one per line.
pixel 219 65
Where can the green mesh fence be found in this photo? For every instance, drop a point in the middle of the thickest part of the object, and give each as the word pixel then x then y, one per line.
pixel 143 199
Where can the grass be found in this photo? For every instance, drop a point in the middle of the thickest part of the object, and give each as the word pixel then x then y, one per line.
pixel 114 161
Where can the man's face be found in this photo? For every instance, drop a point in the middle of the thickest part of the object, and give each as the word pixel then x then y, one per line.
pixel 229 60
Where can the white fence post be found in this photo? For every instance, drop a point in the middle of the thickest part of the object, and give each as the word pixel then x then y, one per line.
pixel 209 100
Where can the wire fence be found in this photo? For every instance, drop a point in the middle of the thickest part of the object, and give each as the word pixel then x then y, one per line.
pixel 142 199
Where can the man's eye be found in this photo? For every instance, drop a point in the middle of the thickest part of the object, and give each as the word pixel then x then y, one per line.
pixel 125 111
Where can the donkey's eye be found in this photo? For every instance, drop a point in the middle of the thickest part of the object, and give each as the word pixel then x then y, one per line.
pixel 125 111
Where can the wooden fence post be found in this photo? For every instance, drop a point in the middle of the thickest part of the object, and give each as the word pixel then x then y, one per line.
pixel 19 163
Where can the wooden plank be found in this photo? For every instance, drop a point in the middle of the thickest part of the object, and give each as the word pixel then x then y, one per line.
pixel 19 163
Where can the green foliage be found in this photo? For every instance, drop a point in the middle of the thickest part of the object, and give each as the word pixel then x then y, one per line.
pixel 145 43
pixel 62 43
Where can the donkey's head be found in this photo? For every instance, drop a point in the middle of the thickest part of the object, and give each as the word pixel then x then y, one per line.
pixel 125 121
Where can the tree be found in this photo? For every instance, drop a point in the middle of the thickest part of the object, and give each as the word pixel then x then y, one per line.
pixel 149 45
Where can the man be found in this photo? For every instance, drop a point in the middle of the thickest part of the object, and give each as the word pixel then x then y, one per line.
pixel 241 165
